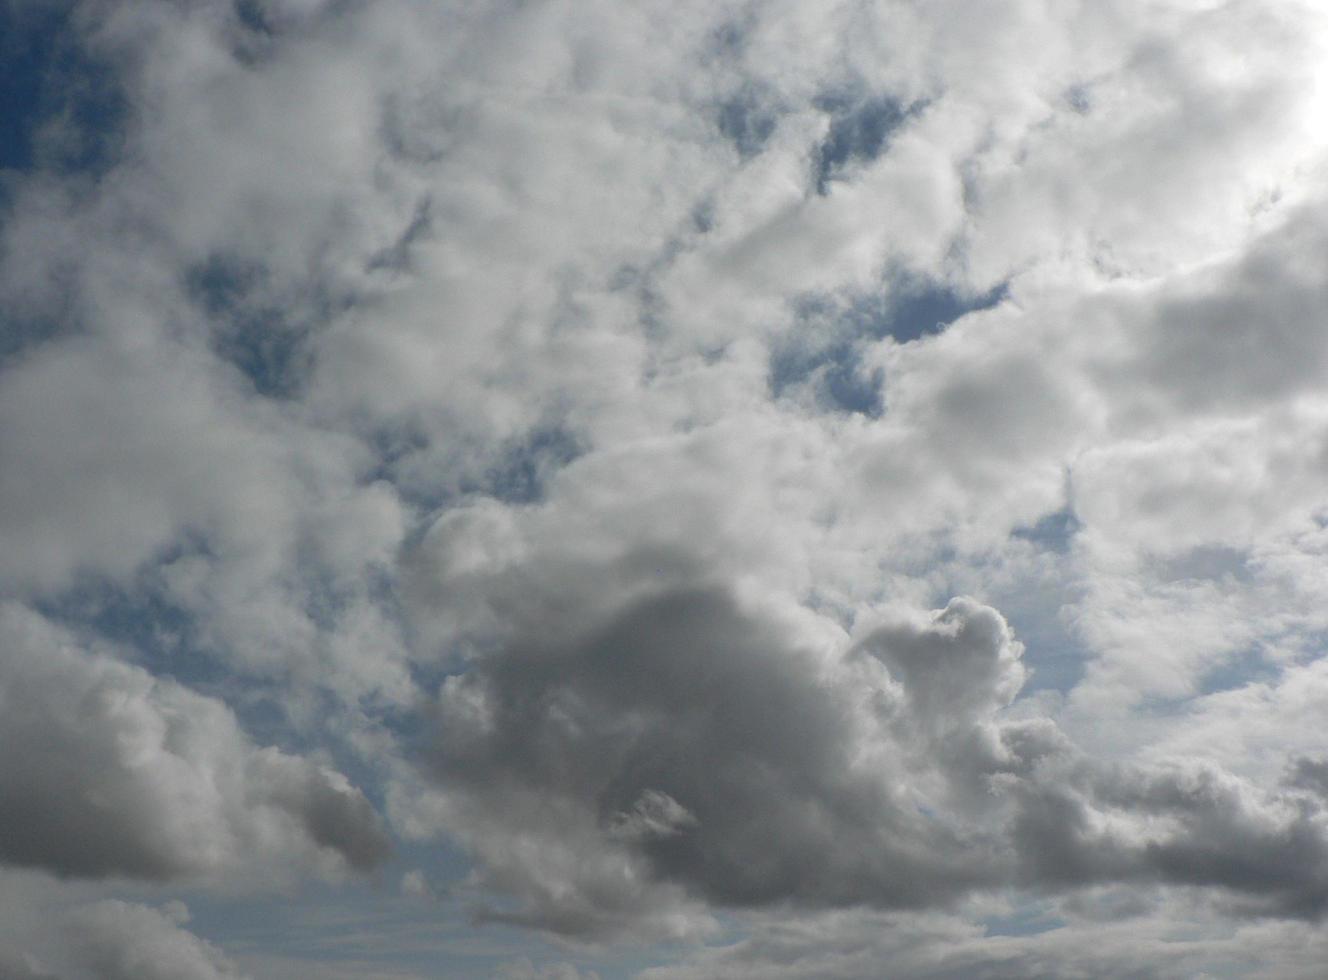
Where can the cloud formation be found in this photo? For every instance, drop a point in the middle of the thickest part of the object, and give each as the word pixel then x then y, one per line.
pixel 122 774
pixel 833 482
pixel 119 941
pixel 691 742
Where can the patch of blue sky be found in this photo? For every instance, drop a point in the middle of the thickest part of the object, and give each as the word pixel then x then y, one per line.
pixel 748 120
pixel 27 46
pixel 154 632
pixel 825 350
pixel 253 335
pixel 913 306
pixel 20 333
pixel 526 465
pixel 1238 670
pixel 164 639
pixel 860 131
pixel 61 112
pixel 171 642
pixel 1056 659
pixel 1055 656
pixel 251 15
pixel 518 472
pixel 260 36
pixel 60 109
pixel 835 373
pixel 1229 672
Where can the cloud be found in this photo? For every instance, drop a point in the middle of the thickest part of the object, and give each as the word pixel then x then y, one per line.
pixel 564 415
pixel 112 772
pixel 123 941
pixel 525 970
pixel 692 742
pixel 22 969
pixel 1152 943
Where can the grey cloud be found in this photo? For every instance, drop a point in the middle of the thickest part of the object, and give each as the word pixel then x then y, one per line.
pixel 654 814
pixel 1237 333
pixel 22 969
pixel 353 272
pixel 117 940
pixel 334 814
pixel 1311 774
pixel 789 792
pixel 1178 824
pixel 1162 943
pixel 693 737
pixel 957 672
pixel 111 772
pixel 525 970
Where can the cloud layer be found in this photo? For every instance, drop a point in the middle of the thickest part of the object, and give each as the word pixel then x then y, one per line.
pixel 832 483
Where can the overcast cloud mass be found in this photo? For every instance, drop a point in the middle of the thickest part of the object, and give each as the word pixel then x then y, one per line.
pixel 590 490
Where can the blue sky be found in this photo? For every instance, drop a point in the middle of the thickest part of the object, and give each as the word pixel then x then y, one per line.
pixel 553 491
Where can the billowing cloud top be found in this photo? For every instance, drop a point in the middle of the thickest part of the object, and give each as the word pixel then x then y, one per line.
pixel 732 489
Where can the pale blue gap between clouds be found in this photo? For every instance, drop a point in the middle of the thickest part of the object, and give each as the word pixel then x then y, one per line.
pixel 61 112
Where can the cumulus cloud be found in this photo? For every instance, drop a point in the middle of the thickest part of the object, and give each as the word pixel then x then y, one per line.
pixel 119 941
pixel 564 417
pixel 693 742
pixel 117 773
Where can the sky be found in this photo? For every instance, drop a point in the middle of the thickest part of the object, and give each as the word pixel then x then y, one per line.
pixel 634 490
